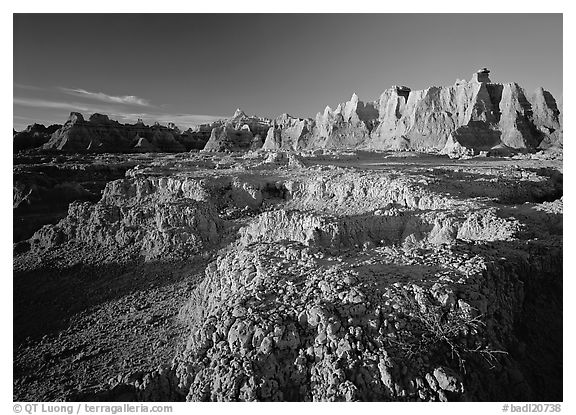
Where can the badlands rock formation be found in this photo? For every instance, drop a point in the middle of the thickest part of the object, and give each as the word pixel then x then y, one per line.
pixel 44 186
pixel 348 126
pixel 140 214
pixel 469 117
pixel 314 277
pixel 284 263
pixel 288 133
pixel 239 133
pixel 33 136
pixel 462 119
pixel 195 138
pixel 100 134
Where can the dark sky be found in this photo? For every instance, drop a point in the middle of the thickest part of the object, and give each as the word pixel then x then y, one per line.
pixel 189 67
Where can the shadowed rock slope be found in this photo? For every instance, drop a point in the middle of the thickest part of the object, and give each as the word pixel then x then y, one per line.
pixel 100 134
pixel 34 135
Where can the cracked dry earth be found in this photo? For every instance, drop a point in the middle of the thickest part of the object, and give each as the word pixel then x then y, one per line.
pixel 299 277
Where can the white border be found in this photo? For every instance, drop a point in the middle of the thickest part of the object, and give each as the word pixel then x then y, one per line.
pixel 300 6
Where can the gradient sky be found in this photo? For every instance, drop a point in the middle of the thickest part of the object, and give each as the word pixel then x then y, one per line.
pixel 190 68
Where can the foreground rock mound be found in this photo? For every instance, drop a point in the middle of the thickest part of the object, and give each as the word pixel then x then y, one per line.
pixel 138 215
pixel 318 276
pixel 284 322
pixel 44 186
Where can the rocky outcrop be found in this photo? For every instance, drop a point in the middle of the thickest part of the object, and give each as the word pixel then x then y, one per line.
pixel 476 115
pixel 100 134
pixel 411 282
pixel 239 133
pixel 33 136
pixel 227 138
pixel 154 217
pixel 143 146
pixel 546 118
pixel 42 190
pixel 283 322
pixel 348 126
pixel 288 133
pixel 467 117
pixel 148 217
pixel 258 126
pixel 392 226
pixel 164 140
pixel 195 138
pixel 159 231
pixel 80 135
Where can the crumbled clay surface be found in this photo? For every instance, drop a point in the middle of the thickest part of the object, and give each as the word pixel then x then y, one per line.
pixel 311 276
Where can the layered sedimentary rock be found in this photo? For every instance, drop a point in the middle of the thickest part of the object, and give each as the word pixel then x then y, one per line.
pixel 163 140
pixel 43 190
pixel 78 134
pixel 546 118
pixel 466 117
pixel 348 126
pixel 100 134
pixel 149 217
pixel 195 138
pixel 33 136
pixel 288 133
pixel 239 133
pixel 155 217
pixel 227 138
pixel 257 125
